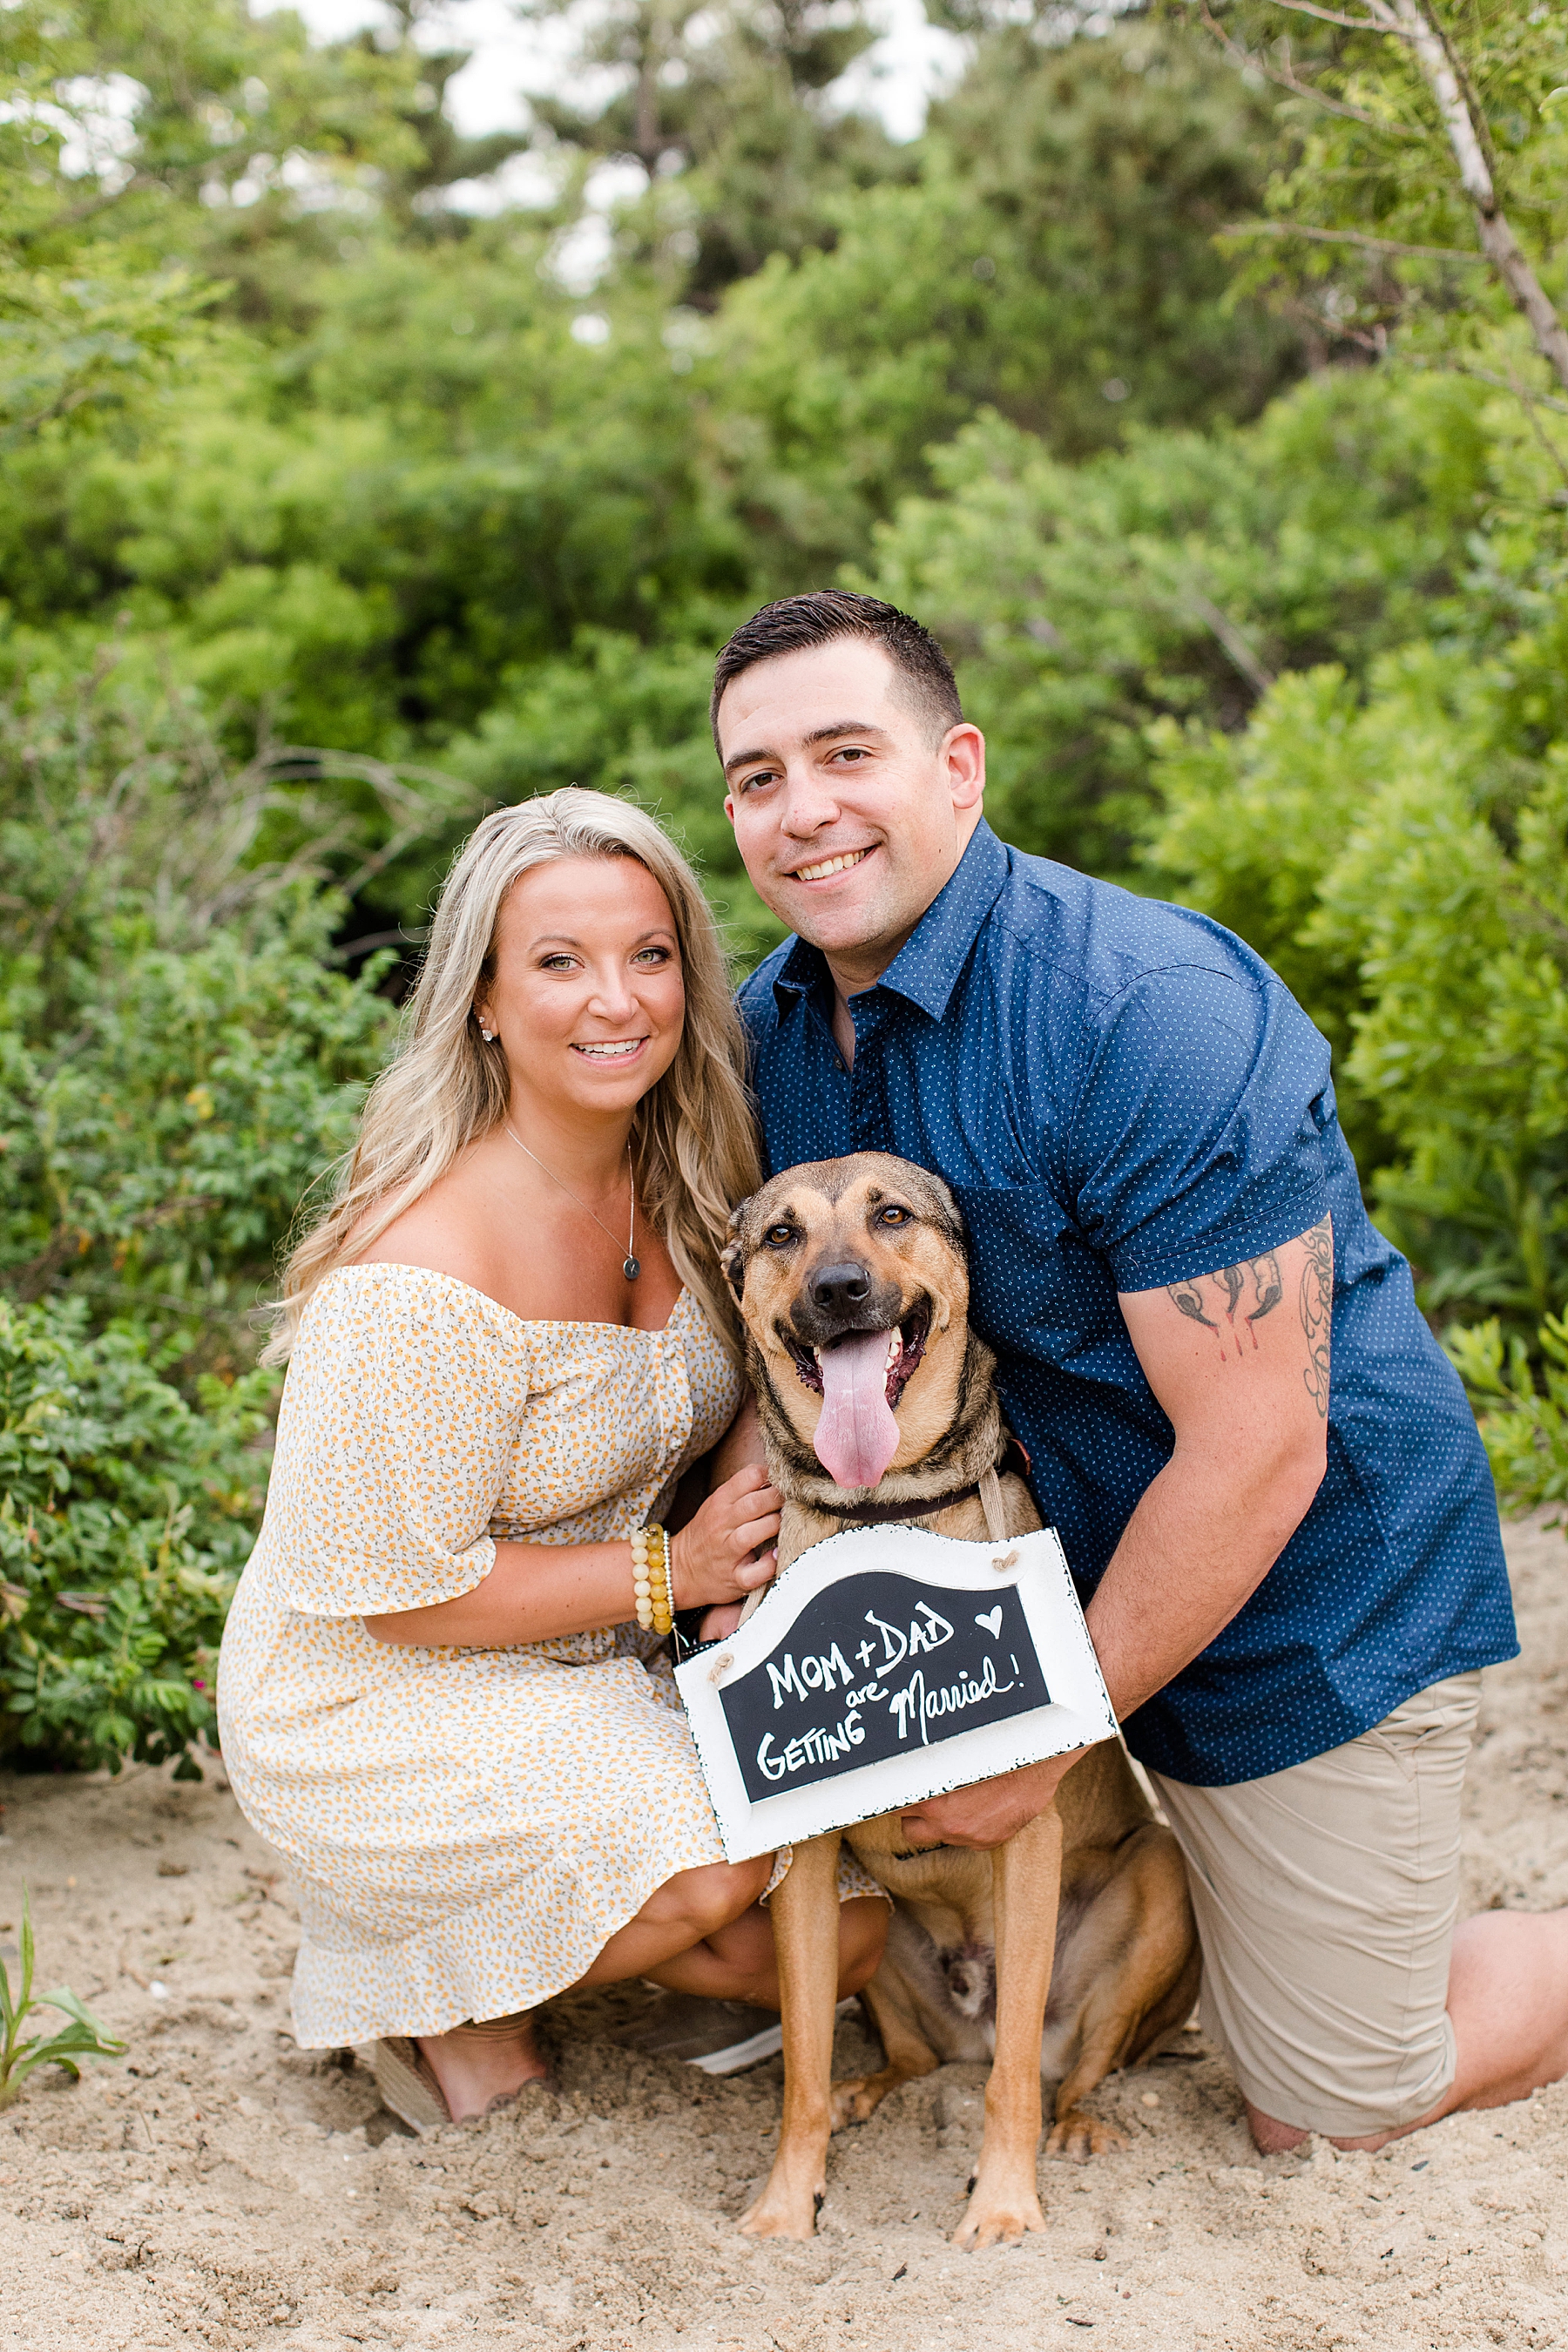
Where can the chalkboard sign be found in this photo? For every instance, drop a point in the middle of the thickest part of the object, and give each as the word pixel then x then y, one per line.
pixel 886 1665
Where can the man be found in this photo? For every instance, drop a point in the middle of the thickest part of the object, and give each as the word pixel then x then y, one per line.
pixel 1292 1588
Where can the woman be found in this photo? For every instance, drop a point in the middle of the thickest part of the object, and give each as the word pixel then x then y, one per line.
pixel 509 1340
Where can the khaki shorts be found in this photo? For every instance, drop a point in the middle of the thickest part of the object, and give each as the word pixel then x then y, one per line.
pixel 1326 1897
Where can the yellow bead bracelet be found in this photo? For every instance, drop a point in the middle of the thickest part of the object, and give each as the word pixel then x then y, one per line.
pixel 650 1578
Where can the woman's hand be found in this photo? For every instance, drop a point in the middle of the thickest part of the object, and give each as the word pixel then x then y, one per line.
pixel 726 1549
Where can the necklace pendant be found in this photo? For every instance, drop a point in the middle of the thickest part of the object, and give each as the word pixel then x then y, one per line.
pixel 631 1269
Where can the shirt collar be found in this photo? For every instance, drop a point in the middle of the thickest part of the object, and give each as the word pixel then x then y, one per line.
pixel 925 970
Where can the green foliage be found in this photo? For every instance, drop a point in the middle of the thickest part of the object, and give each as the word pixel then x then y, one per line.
pixel 1175 579
pixel 81 2037
pixel 73 344
pixel 725 110
pixel 125 1516
pixel 1050 257
pixel 83 331
pixel 437 511
pixel 1102 168
pixel 405 464
pixel 623 719
pixel 1371 169
pixel 194 132
pixel 1523 1414
pixel 153 157
pixel 1403 863
pixel 179 1058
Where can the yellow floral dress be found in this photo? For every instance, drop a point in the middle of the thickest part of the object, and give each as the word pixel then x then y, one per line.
pixel 466 1827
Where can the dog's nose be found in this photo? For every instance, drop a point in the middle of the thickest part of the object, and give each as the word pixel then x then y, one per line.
pixel 838 1287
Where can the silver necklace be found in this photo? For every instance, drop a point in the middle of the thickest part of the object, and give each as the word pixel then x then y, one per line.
pixel 630 1265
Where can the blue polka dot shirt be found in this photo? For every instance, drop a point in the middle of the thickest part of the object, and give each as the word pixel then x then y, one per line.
pixel 1121 1094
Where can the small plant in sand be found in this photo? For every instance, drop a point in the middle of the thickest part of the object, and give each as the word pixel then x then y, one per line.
pixel 81 2037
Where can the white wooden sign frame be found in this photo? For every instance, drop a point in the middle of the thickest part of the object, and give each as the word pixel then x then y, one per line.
pixel 904 1704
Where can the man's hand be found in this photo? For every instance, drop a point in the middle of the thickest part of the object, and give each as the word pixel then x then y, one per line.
pixel 990 1812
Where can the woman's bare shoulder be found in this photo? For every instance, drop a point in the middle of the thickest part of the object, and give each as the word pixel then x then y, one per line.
pixel 445 1231
pixel 476 1225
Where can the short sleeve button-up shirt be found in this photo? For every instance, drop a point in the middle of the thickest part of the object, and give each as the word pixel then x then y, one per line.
pixel 1121 1094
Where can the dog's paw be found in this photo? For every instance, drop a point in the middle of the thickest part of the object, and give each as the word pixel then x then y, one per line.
pixel 999 2216
pixel 1077 2136
pixel 856 2100
pixel 782 2210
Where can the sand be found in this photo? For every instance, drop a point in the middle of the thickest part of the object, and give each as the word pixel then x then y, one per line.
pixel 220 2185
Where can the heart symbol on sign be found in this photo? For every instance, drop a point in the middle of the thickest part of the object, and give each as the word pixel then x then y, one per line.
pixel 992 1621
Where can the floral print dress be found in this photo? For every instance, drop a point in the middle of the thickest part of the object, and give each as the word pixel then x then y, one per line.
pixel 466 1827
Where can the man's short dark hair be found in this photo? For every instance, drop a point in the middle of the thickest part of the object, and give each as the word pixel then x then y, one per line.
pixel 924 669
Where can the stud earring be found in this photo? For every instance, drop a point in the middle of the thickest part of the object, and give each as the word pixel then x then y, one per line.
pixel 489 1035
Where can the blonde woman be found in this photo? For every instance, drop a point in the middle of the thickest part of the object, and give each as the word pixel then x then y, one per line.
pixel 439 1695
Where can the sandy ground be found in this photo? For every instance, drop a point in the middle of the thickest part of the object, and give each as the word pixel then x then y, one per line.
pixel 218 2184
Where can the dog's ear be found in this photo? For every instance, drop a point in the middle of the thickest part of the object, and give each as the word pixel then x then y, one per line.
pixel 732 1257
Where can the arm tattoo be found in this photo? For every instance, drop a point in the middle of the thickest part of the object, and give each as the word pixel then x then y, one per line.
pixel 1252 1284
pixel 1243 1294
pixel 1189 1298
pixel 1317 1309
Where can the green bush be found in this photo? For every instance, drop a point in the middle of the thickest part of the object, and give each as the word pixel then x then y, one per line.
pixel 1174 579
pixel 1523 1416
pixel 180 1056
pixel 623 718
pixel 1402 859
pixel 125 1517
pixel 180 1060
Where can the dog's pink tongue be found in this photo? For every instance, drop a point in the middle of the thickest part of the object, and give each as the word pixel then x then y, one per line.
pixel 856 1437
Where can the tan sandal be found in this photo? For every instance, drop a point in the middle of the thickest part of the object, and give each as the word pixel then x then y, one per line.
pixel 407 2085
pixel 406 2080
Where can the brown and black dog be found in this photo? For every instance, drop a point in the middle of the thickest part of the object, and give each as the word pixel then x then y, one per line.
pixel 1071 1950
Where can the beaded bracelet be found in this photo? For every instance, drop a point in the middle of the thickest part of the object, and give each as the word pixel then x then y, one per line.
pixel 658 1576
pixel 650 1578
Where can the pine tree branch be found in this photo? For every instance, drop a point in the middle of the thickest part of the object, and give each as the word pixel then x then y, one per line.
pixel 1527 401
pixel 1352 23
pixel 1507 383
pixel 1236 646
pixel 1248 61
pixel 1350 236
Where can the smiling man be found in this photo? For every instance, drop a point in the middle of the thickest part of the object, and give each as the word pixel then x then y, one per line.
pixel 1293 1583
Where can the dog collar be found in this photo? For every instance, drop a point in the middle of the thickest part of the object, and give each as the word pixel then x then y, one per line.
pixel 921 1506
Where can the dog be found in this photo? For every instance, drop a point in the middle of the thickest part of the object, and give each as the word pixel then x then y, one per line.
pixel 1071 1950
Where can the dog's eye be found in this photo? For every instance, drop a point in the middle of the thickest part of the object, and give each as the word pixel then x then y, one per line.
pixel 894 1215
pixel 779 1236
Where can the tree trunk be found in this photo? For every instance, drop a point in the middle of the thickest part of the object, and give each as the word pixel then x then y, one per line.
pixel 1497 240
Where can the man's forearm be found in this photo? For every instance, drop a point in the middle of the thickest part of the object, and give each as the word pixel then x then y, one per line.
pixel 1200 1542
pixel 1248 1411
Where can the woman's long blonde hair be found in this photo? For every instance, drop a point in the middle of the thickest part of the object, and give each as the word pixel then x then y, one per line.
pixel 692 1136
